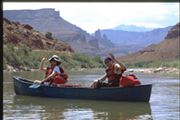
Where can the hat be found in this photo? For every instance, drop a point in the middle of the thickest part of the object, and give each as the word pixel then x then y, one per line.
pixel 108 58
pixel 55 58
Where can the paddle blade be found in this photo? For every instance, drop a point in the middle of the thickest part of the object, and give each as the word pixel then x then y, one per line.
pixel 35 86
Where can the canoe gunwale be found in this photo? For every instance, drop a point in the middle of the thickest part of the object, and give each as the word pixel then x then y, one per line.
pixel 27 81
pixel 23 80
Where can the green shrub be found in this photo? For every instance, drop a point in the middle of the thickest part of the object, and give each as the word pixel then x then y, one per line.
pixel 23 57
pixel 23 50
pixel 10 47
pixel 48 35
pixel 4 63
pixel 32 59
pixel 98 59
pixel 84 65
pixel 153 64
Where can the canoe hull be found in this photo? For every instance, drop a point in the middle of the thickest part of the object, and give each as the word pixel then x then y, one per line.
pixel 136 93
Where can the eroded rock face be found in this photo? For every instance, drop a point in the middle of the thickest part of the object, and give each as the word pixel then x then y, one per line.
pixel 97 35
pixel 168 49
pixel 25 34
pixel 44 20
pixel 137 38
pixel 94 42
pixel 103 41
pixel 174 32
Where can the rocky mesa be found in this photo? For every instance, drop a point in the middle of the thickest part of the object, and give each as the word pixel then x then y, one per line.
pixel 19 34
pixel 44 20
pixel 48 19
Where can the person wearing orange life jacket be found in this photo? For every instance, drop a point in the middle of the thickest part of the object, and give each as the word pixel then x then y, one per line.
pixel 113 73
pixel 54 73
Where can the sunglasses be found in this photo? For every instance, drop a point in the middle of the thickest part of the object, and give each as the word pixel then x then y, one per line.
pixel 107 61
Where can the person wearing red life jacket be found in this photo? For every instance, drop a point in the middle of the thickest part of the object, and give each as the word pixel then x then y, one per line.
pixel 113 73
pixel 54 73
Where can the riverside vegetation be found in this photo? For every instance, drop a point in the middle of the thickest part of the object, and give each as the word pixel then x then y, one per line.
pixel 154 64
pixel 24 57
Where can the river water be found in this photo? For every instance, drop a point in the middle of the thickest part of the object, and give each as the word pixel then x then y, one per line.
pixel 163 104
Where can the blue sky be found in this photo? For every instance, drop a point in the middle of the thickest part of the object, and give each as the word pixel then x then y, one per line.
pixel 102 15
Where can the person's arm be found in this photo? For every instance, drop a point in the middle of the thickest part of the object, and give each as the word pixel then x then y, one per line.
pixel 103 78
pixel 42 64
pixel 49 77
pixel 119 67
pixel 94 83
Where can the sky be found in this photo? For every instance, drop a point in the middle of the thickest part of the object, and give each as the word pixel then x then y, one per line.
pixel 91 16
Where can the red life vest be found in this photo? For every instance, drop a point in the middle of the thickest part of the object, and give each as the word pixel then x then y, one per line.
pixel 129 80
pixel 50 69
pixel 111 75
pixel 58 79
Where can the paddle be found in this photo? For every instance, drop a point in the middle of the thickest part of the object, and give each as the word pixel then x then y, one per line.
pixel 35 86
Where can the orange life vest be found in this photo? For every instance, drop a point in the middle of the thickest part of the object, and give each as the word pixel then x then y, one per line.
pixel 50 69
pixel 112 77
pixel 129 80
pixel 59 79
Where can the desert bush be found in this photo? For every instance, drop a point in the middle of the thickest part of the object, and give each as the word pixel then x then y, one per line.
pixel 48 35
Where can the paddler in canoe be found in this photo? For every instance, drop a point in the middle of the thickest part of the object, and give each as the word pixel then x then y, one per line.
pixel 114 73
pixel 54 74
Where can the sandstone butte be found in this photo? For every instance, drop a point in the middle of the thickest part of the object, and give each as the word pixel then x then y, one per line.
pixel 20 34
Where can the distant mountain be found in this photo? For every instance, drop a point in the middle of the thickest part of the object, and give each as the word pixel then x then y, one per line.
pixel 132 28
pixel 44 20
pixel 136 38
pixel 24 34
pixel 101 43
pixel 168 49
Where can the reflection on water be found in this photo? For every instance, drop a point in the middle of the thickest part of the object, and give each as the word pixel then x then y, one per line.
pixel 36 107
pixel 163 103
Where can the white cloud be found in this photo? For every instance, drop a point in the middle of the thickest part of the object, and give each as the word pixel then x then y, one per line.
pixel 178 13
pixel 160 17
pixel 94 15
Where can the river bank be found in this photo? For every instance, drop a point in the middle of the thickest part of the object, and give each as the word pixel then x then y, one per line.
pixel 13 69
pixel 142 70
pixel 155 70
